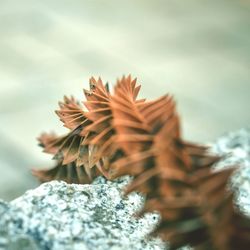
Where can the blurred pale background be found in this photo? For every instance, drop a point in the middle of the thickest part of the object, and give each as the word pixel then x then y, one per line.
pixel 197 50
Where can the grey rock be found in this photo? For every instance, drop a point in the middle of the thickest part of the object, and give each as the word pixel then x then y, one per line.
pixel 21 242
pixel 9 241
pixel 57 215
pixel 234 147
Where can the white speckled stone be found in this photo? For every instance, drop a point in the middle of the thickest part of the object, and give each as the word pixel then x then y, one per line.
pixel 60 216
pixel 235 148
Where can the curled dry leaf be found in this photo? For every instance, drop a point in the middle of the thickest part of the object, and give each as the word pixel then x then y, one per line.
pixel 69 163
pixel 70 149
pixel 102 134
pixel 136 125
pixel 90 142
pixel 69 173
pixel 71 113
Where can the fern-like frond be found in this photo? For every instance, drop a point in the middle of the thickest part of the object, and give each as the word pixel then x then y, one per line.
pixel 71 113
pixel 69 173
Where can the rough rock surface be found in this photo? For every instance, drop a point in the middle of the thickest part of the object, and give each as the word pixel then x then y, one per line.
pixel 60 216
pixel 235 148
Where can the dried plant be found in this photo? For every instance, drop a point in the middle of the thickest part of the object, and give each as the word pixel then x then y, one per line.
pixel 118 134
pixel 69 167
pixel 177 178
pixel 100 133
pixel 90 144
pixel 71 150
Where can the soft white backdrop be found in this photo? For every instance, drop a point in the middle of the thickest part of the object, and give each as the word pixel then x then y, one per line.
pixel 199 51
